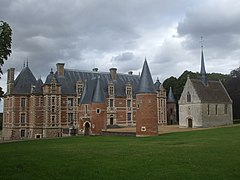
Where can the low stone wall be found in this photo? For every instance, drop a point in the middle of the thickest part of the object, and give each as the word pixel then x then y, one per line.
pixel 111 133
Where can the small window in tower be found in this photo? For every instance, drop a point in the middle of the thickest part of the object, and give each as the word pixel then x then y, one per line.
pixel 98 111
pixel 53 100
pixel 23 102
pixel 53 120
pixel 143 129
pixel 70 118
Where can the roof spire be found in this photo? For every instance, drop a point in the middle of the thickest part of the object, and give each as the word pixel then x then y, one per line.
pixel 27 62
pixel 203 73
pixel 171 97
pixel 146 83
pixel 24 64
pixel 98 95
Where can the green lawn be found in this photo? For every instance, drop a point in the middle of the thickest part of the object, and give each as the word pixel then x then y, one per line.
pixel 205 154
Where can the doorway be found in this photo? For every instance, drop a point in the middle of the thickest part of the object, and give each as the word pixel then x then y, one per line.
pixel 189 123
pixel 87 129
pixel 111 120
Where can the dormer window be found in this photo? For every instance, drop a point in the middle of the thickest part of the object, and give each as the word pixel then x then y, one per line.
pixel 33 87
pixel 129 91
pixel 53 87
pixel 79 88
pixel 188 97
pixel 111 90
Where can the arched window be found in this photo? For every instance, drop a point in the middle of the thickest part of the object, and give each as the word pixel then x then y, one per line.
pixel 188 97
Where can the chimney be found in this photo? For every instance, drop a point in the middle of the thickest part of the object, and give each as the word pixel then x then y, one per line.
pixel 95 69
pixel 10 80
pixel 130 72
pixel 113 72
pixel 60 69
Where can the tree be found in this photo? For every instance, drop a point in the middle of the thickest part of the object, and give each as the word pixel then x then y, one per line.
pixel 5 46
pixel 5 43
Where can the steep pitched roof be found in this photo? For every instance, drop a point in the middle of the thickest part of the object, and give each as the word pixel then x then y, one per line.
pixel 203 73
pixel 214 92
pixel 171 97
pixel 93 92
pixel 70 78
pixel 98 95
pixel 38 88
pixel 24 81
pixel 146 83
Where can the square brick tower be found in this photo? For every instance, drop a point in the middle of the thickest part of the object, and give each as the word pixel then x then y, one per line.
pixel 146 97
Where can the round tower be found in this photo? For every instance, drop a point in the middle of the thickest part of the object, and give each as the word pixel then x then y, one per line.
pixel 146 115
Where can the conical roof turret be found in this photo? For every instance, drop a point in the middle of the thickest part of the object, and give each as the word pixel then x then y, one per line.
pixel 98 95
pixel 146 83
pixel 171 97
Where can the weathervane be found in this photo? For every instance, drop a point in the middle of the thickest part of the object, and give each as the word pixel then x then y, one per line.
pixel 201 42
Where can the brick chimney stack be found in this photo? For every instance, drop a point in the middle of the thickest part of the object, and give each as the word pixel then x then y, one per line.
pixel 10 80
pixel 113 72
pixel 60 69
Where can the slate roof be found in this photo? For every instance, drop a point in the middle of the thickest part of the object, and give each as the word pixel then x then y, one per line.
pixel 203 73
pixel 38 88
pixel 214 92
pixel 93 92
pixel 171 97
pixel 146 83
pixel 24 81
pixel 70 78
pixel 157 85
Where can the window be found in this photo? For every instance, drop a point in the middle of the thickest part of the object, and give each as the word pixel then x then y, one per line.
pixel 129 116
pixel 70 118
pixel 23 102
pixel 129 91
pixel 111 103
pixel 53 100
pixel 171 111
pixel 53 87
pixel 23 133
pixel 188 97
pixel 111 90
pixel 143 128
pixel 53 109
pixel 129 103
pixel 98 111
pixel 53 121
pixel 208 109
pixel 79 89
pixel 70 101
pixel 41 101
pixel 86 109
pixel 23 118
pixel 216 109
pixel 225 108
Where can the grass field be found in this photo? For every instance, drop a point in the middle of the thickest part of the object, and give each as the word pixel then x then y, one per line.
pixel 206 154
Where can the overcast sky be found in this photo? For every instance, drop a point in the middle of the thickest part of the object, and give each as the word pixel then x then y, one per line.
pixel 85 34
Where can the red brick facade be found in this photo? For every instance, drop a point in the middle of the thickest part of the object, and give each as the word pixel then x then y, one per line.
pixel 147 118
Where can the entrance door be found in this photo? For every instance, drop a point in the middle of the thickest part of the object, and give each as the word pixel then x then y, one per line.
pixel 190 123
pixel 111 121
pixel 87 129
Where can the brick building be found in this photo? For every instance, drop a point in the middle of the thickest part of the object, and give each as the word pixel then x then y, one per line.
pixel 73 102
